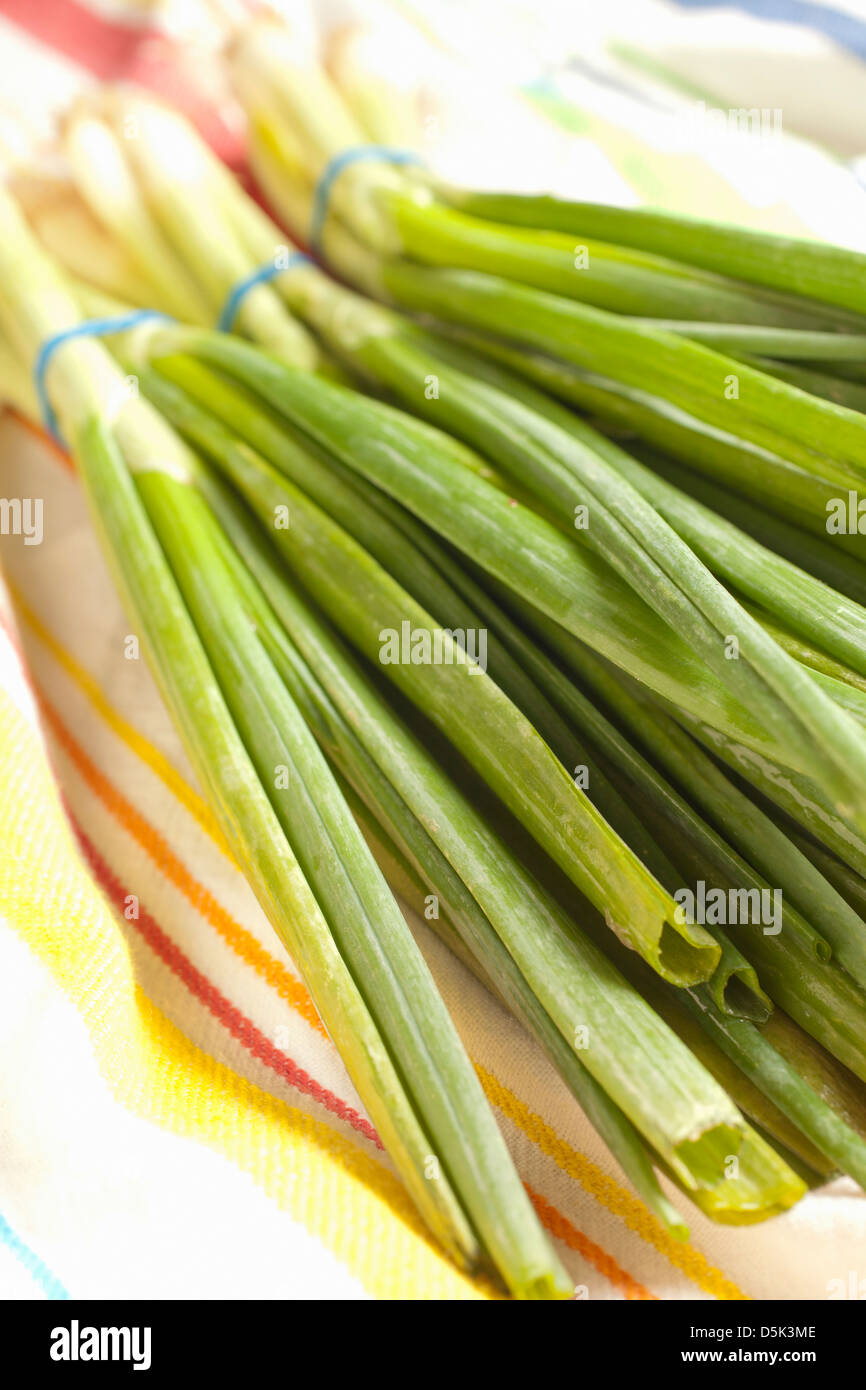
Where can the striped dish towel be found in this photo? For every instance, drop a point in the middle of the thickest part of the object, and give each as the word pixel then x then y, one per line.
pixel 175 1122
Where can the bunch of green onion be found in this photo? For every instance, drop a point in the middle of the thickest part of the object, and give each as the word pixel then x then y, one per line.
pixel 676 685
pixel 278 801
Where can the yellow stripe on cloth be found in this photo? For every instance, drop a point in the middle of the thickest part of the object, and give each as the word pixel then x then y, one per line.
pixel 155 760
pixel 608 1192
pixel 348 1200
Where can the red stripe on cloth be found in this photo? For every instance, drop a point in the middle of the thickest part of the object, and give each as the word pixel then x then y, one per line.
pixel 235 1022
pixel 186 77
pixel 104 46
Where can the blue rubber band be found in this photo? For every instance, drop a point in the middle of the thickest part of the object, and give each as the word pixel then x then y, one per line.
pixel 385 153
pixel 90 328
pixel 261 276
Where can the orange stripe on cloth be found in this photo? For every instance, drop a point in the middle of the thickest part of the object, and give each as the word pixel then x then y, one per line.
pixel 560 1227
pixel 600 1185
pixel 341 1194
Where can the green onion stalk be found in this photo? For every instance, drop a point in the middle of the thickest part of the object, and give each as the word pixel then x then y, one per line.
pixel 251 482
pixel 721 459
pixel 789 1086
pixel 723 392
pixel 765 1066
pixel 723 805
pixel 785 793
pixel 817 379
pixel 522 429
pixel 820 613
pixel 568 978
pixel 794 963
pixel 427 571
pixel 839 1095
pixel 522 550
pixel 769 1068
pixel 403 846
pixel 825 275
pixel 818 556
pixel 365 601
